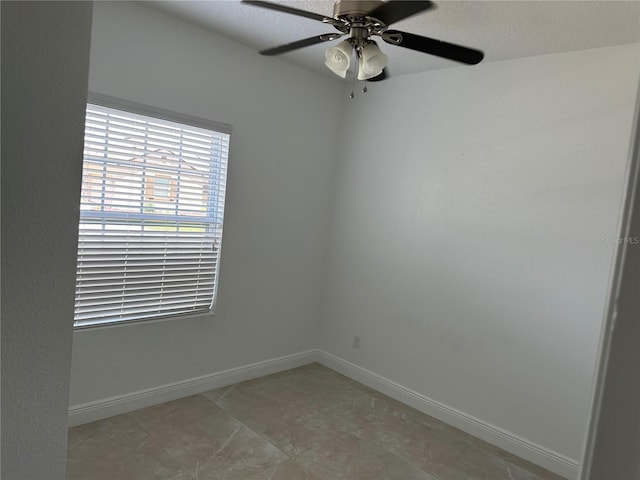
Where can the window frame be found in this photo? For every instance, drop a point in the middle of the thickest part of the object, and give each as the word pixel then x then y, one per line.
pixel 173 117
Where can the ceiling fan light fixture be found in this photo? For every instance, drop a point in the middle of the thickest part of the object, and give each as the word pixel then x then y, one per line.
pixel 371 62
pixel 338 58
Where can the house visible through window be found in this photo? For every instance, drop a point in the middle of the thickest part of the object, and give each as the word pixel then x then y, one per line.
pixel 151 211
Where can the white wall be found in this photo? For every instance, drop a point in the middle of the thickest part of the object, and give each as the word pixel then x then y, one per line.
pixel 469 230
pixel 45 65
pixel 280 169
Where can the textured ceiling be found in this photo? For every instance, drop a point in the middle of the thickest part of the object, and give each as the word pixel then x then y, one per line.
pixel 502 29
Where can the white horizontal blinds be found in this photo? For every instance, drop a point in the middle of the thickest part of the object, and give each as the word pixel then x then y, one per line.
pixel 151 216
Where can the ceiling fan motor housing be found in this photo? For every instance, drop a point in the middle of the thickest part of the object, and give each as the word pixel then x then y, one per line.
pixel 355 8
pixel 351 10
pixel 357 24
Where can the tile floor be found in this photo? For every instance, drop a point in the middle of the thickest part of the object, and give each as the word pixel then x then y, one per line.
pixel 309 423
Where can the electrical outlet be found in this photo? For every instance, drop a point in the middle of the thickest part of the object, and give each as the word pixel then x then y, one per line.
pixel 356 342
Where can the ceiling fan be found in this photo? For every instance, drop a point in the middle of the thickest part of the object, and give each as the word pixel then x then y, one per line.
pixel 360 20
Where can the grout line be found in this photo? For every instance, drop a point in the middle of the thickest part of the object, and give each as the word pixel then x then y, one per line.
pixel 259 434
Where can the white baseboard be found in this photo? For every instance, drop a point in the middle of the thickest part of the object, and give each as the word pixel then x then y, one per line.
pixel 523 448
pixel 549 459
pixel 108 407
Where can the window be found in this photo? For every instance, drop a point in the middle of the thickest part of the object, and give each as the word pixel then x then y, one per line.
pixel 151 211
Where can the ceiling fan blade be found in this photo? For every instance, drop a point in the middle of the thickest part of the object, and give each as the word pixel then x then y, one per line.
pixel 306 42
pixel 396 10
pixel 381 76
pixel 291 10
pixel 439 48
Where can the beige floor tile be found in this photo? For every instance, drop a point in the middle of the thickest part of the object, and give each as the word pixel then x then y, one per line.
pixel 287 470
pixel 245 454
pixel 242 397
pixel 308 423
pixel 348 457
pixel 298 390
pixel 120 426
pixel 119 449
pixel 444 451
pixel 192 430
pixel 517 464
pixel 295 433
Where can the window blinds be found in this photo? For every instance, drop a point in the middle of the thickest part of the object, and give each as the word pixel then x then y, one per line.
pixel 151 215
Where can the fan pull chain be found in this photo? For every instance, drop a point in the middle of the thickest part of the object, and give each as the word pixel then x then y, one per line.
pixel 352 95
pixel 364 88
pixel 353 87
